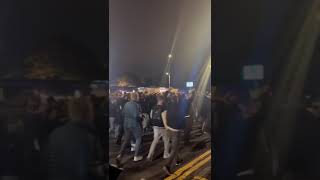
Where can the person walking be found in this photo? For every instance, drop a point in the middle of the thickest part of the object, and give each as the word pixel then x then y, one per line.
pixel 113 128
pixel 74 152
pixel 132 127
pixel 158 129
pixel 174 122
pixel 120 104
pixel 31 147
pixel 189 117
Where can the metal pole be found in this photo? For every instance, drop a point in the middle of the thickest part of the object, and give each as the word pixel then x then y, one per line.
pixel 169 80
pixel 169 69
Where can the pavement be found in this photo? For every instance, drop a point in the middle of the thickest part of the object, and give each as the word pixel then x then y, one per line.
pixel 196 159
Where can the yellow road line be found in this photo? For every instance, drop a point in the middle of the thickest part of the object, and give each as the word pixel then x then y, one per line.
pixel 194 168
pixel 189 165
pixel 199 178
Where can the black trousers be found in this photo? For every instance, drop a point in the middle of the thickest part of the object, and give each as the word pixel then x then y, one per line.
pixel 175 144
pixel 187 130
pixel 121 133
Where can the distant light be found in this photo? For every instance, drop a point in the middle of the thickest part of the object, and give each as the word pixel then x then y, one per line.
pixel 170 56
pixel 167 73
pixel 162 89
pixel 189 84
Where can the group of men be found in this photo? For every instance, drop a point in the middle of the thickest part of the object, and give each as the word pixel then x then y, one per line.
pixel 58 139
pixel 170 114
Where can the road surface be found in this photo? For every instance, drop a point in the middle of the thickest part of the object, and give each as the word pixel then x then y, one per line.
pixel 196 159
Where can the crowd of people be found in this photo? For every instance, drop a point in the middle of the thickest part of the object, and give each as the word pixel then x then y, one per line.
pixel 255 137
pixel 60 138
pixel 168 115
pixel 66 137
pixel 235 130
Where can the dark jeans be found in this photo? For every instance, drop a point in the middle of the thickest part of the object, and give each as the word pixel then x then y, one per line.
pixel 175 142
pixel 121 132
pixel 136 132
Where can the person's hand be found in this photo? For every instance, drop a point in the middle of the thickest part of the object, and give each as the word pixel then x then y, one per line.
pixel 171 129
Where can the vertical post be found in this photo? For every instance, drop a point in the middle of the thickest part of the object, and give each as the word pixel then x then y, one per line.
pixel 169 80
pixel 169 70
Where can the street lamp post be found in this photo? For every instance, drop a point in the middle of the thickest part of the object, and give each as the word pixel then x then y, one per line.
pixel 168 73
pixel 169 78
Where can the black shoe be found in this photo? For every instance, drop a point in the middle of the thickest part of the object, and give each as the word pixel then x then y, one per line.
pixel 166 169
pixel 178 163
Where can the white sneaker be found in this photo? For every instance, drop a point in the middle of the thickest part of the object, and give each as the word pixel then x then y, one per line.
pixel 166 156
pixel 133 147
pixel 137 158
pixel 149 158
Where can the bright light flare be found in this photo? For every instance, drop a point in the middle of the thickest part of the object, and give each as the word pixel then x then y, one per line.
pixel 290 88
pixel 202 85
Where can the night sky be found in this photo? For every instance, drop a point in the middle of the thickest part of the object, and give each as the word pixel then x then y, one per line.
pixel 29 25
pixel 141 34
pixel 254 32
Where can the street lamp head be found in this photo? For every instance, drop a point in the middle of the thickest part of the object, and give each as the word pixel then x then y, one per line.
pixel 170 56
pixel 167 73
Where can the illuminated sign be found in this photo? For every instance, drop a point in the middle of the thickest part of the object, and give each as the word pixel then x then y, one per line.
pixel 189 84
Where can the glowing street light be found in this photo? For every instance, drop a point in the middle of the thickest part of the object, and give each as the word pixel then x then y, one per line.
pixel 170 56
